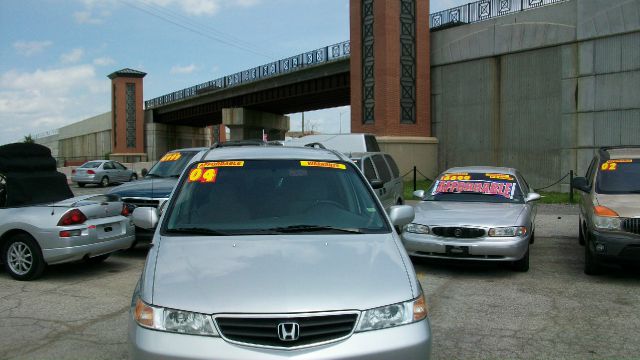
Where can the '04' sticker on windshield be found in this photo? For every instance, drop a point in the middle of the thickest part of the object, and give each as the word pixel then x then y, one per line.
pixel 171 157
pixel 201 175
pixel 323 164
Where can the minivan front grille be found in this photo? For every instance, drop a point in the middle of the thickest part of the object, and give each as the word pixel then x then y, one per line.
pixel 138 202
pixel 631 225
pixel 458 232
pixel 263 331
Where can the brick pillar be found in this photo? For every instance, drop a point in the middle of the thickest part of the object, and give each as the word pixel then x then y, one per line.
pixel 127 115
pixel 390 67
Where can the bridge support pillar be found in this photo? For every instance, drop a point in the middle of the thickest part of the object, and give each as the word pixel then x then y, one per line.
pixel 248 124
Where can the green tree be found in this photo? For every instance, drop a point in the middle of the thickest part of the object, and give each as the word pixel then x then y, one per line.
pixel 29 139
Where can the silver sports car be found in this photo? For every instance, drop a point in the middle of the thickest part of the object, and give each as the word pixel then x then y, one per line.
pixel 41 223
pixel 475 213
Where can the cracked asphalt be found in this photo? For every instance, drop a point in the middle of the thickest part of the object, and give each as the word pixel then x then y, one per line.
pixel 477 311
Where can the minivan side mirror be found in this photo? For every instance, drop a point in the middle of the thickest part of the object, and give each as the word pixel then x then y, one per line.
pixel 532 197
pixel 145 217
pixel 581 184
pixel 144 172
pixel 401 215
pixel 418 194
pixel 376 184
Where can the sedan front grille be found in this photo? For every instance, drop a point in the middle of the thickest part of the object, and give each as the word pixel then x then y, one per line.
pixel 458 232
pixel 631 225
pixel 142 202
pixel 263 331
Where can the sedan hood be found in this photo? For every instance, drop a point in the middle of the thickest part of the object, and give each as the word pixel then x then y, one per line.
pixel 279 274
pixel 449 213
pixel 148 188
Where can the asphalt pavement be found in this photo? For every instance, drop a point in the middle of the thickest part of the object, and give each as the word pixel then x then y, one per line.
pixel 477 311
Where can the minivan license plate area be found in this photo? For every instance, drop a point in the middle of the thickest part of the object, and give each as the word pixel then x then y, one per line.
pixel 457 251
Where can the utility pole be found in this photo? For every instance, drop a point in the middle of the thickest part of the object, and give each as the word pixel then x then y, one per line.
pixel 303 123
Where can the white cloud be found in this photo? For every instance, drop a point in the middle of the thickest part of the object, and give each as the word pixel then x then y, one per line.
pixel 177 69
pixel 104 61
pixel 28 48
pixel 202 7
pixel 72 56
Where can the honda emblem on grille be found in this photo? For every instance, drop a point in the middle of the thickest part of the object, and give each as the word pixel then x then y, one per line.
pixel 458 232
pixel 288 331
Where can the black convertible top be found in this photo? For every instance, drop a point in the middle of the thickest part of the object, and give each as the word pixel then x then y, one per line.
pixel 31 176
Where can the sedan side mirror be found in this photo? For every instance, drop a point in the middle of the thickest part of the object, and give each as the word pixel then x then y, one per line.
pixel 418 194
pixel 145 217
pixel 144 172
pixel 581 184
pixel 376 184
pixel 532 197
pixel 401 215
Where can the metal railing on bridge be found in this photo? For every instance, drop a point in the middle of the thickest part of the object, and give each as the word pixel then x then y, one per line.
pixel 315 57
pixel 483 10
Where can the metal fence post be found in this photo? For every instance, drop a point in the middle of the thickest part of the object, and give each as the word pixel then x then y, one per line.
pixel 571 186
pixel 415 185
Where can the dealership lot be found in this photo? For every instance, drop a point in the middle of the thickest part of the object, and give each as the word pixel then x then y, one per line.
pixel 79 311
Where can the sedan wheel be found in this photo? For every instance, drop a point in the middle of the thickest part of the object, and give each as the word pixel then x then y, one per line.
pixel 522 265
pixel 22 258
pixel 104 182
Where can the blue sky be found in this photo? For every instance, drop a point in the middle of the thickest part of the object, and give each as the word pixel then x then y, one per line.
pixel 55 55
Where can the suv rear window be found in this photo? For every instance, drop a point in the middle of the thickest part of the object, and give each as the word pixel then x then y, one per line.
pixel 619 176
pixel 393 166
pixel 274 196
pixel 383 169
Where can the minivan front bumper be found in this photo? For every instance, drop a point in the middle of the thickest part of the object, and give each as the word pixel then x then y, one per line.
pixel 406 342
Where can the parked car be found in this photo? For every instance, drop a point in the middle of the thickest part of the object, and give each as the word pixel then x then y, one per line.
pixel 278 253
pixel 41 223
pixel 381 167
pixel 475 213
pixel 156 186
pixel 103 173
pixel 344 143
pixel 609 225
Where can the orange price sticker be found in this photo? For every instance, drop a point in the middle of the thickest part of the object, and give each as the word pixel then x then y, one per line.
pixel 203 175
pixel 171 157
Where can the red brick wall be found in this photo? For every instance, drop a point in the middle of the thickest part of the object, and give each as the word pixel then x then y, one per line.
pixel 387 70
pixel 119 135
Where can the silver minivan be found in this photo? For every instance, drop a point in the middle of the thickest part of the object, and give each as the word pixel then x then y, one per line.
pixel 383 173
pixel 277 253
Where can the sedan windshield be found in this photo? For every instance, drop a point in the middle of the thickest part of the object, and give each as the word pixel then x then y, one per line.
pixel 171 164
pixel 475 187
pixel 273 197
pixel 621 176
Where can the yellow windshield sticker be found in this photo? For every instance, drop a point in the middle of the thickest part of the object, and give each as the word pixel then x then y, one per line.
pixel 459 176
pixel 203 175
pixel 609 166
pixel 323 164
pixel 171 157
pixel 215 164
pixel 499 176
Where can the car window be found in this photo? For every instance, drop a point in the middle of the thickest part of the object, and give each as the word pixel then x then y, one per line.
pixel 525 186
pixel 383 169
pixel 619 176
pixel 475 187
pixel 371 143
pixel 108 166
pixel 591 171
pixel 171 164
pixel 262 196
pixel 119 166
pixel 392 164
pixel 91 165
pixel 369 170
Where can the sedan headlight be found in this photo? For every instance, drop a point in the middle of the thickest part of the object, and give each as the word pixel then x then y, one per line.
pixel 511 231
pixel 417 228
pixel 183 322
pixel 393 315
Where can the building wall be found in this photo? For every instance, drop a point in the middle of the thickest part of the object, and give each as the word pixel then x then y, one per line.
pixel 539 90
pixel 88 139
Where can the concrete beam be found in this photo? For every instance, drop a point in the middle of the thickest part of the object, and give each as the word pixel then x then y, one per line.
pixel 249 124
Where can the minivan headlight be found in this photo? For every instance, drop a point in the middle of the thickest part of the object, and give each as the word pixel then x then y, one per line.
pixel 393 315
pixel 170 320
pixel 511 231
pixel 417 228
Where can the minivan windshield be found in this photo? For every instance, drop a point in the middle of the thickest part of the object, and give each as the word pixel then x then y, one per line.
pixel 171 164
pixel 620 176
pixel 475 187
pixel 273 197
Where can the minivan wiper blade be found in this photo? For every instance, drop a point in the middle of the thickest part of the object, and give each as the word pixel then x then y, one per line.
pixel 197 230
pixel 311 228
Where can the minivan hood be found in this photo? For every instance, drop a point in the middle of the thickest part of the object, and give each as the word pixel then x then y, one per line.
pixel 147 188
pixel 450 213
pixel 279 274
pixel 626 205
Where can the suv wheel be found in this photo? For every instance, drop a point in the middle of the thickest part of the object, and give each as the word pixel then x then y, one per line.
pixel 591 265
pixel 22 258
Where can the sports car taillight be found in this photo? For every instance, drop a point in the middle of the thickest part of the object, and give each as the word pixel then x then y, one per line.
pixel 127 209
pixel 73 217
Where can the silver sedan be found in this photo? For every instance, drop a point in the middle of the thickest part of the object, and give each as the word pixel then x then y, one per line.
pixel 474 213
pixel 102 172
